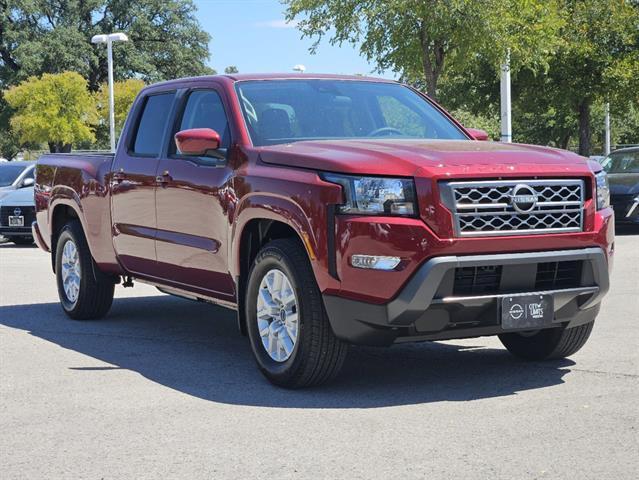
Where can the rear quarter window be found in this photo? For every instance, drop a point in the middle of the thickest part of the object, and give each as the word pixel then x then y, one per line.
pixel 152 123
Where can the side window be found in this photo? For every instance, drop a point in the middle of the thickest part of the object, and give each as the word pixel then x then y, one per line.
pixel 148 138
pixel 204 109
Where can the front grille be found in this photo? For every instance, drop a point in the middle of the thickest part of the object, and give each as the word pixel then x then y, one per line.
pixel 477 280
pixel 514 207
pixel 557 275
pixel 27 212
pixel 487 280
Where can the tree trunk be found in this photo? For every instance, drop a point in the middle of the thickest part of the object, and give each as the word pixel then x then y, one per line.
pixel 59 147
pixel 584 127
pixel 433 55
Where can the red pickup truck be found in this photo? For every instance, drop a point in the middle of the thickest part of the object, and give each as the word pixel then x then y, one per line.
pixel 328 211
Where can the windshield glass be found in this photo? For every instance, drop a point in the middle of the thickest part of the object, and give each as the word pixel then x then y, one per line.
pixel 9 173
pixel 284 111
pixel 622 162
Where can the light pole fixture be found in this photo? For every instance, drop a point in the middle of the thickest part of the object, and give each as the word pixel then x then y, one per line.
pixel 109 39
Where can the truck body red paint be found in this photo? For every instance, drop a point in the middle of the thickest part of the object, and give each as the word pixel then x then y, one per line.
pixel 193 226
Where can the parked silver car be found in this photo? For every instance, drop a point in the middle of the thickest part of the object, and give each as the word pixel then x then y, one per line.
pixel 16 175
pixel 17 213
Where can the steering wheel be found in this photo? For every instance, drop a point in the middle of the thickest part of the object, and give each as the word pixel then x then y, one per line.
pixel 378 132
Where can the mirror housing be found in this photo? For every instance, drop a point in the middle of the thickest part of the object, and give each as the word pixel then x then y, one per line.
pixel 198 142
pixel 478 134
pixel 28 182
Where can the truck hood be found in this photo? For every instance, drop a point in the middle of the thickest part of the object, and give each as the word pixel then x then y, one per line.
pixel 422 157
pixel 18 198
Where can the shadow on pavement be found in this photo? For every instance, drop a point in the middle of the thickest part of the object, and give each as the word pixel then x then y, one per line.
pixel 196 349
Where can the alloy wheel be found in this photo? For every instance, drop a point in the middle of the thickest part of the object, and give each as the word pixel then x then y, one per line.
pixel 277 315
pixel 71 275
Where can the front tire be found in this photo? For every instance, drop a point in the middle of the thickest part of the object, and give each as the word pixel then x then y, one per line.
pixel 291 338
pixel 85 293
pixel 552 343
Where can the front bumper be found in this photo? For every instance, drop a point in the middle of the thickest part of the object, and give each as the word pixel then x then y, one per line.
pixel 427 307
pixel 37 237
pixel 15 231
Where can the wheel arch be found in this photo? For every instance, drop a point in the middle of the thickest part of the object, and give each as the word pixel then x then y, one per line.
pixel 260 221
pixel 63 211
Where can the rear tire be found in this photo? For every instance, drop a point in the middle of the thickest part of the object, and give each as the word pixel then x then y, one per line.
pixel 552 343
pixel 22 240
pixel 296 347
pixel 85 293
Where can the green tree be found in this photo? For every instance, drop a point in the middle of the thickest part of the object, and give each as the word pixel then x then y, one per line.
pixel 42 36
pixel 597 61
pixel 124 94
pixel 231 69
pixel 419 39
pixel 56 109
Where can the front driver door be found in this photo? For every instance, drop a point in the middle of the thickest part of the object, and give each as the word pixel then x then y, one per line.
pixel 133 186
pixel 191 203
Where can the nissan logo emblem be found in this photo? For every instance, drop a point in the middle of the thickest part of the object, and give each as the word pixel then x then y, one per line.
pixel 523 198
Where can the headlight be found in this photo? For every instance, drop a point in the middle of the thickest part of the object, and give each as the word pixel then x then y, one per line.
pixel 603 190
pixel 375 195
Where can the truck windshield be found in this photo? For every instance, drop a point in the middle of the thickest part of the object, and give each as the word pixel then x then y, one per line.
pixel 9 173
pixel 285 111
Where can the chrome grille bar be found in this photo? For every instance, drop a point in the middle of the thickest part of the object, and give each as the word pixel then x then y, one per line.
pixel 515 207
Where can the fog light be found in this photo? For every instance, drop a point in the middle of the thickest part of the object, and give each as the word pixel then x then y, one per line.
pixel 375 262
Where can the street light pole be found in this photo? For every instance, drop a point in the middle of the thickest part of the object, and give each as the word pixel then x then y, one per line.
pixel 109 39
pixel 607 134
pixel 506 118
pixel 111 100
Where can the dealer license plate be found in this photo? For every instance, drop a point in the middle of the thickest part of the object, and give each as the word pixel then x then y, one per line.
pixel 527 311
pixel 16 221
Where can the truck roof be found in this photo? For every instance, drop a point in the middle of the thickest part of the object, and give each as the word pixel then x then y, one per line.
pixel 239 77
pixel 287 76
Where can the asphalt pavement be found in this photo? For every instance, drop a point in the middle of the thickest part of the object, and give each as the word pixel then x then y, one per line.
pixel 165 388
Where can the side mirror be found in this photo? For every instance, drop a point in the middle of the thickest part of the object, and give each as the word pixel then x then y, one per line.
pixel 28 182
pixel 478 134
pixel 198 142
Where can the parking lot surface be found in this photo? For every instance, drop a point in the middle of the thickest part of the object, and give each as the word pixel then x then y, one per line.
pixel 165 388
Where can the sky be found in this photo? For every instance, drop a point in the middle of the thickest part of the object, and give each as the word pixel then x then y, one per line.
pixel 253 36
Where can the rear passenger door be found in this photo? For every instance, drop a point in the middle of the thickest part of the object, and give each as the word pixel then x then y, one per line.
pixel 133 185
pixel 191 203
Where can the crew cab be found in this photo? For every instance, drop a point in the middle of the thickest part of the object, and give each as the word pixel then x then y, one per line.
pixel 330 211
